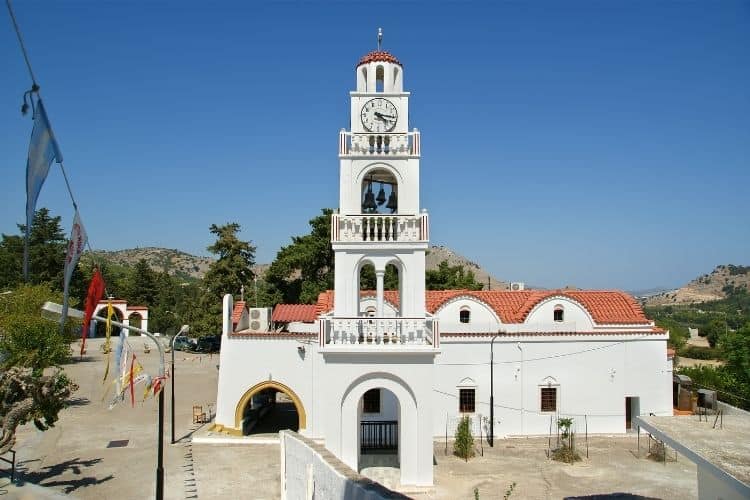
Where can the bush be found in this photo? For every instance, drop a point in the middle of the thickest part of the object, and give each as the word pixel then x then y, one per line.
pixel 463 446
pixel 698 352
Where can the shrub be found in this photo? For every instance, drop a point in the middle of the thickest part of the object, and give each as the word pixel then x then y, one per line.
pixel 698 352
pixel 463 446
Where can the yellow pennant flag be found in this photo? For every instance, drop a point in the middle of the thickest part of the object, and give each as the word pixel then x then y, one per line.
pixel 108 333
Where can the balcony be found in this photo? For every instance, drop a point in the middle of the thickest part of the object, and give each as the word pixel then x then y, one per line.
pixel 380 228
pixel 379 144
pixel 385 333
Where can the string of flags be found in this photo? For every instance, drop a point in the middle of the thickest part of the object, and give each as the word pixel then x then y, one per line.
pixel 43 150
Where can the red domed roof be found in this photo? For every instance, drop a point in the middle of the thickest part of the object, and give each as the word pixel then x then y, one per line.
pixel 378 55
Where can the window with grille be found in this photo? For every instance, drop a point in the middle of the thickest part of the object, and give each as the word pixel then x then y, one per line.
pixel 371 401
pixel 464 315
pixel 558 315
pixel 466 400
pixel 549 398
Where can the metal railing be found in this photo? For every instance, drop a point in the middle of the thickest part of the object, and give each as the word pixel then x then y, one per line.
pixel 378 435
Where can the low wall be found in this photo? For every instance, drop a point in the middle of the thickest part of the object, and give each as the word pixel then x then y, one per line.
pixel 309 470
pixel 731 410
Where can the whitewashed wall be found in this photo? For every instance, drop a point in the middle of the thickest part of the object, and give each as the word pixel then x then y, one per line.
pixel 593 376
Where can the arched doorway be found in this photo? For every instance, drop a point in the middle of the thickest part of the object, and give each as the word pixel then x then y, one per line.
pixel 135 319
pixel 379 430
pixel 403 408
pixel 267 408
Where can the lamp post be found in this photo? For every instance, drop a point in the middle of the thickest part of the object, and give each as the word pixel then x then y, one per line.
pixel 492 391
pixel 56 310
pixel 184 329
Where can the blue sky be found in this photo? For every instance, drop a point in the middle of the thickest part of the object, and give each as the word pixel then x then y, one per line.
pixel 598 144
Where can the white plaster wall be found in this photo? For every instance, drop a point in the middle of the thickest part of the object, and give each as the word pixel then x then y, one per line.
pixel 593 377
pixel 306 473
pixel 482 317
pixel 712 487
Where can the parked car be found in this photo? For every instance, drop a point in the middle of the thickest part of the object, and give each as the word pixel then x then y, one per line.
pixel 209 344
pixel 183 344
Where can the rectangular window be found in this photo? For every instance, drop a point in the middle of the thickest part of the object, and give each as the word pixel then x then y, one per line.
pixel 466 400
pixel 464 316
pixel 371 401
pixel 549 398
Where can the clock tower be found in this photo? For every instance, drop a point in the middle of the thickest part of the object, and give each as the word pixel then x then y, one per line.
pixel 379 221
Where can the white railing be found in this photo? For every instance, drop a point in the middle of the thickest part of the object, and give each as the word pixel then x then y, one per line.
pixel 379 332
pixel 350 228
pixel 408 143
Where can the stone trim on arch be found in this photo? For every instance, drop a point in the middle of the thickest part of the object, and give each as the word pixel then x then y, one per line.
pixel 261 386
pixel 563 298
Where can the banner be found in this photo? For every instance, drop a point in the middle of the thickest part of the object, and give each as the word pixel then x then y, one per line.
pixel 43 149
pixel 94 295
pixel 76 245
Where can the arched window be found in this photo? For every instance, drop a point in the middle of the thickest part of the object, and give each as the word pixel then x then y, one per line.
pixel 559 314
pixel 379 79
pixel 464 315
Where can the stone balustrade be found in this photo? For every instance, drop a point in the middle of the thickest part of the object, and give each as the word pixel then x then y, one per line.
pixel 379 144
pixel 385 228
pixel 379 332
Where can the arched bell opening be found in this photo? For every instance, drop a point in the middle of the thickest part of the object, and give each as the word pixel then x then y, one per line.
pixel 379 188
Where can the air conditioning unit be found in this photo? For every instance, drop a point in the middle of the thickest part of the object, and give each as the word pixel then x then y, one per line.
pixel 259 319
pixel 517 286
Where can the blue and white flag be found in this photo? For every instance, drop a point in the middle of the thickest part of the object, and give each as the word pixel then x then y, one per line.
pixel 76 245
pixel 43 149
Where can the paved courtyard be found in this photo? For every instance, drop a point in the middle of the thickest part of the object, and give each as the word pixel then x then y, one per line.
pixel 73 459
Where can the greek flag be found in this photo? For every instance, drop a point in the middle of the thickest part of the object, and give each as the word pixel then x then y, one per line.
pixel 43 149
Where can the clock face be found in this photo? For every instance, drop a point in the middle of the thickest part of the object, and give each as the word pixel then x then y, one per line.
pixel 379 115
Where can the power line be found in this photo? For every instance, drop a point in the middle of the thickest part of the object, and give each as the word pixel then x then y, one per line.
pixel 562 355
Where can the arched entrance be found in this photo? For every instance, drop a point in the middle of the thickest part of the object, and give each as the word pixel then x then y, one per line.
pixel 404 408
pixel 379 436
pixel 101 324
pixel 269 407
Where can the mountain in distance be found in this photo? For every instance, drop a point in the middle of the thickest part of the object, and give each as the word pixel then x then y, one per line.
pixel 175 262
pixel 189 267
pixel 704 288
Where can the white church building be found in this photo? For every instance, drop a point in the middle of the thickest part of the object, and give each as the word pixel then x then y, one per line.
pixel 395 370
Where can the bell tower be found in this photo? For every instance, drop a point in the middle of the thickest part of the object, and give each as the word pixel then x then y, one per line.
pixel 379 221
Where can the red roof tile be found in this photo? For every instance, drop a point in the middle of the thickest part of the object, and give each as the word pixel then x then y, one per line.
pixel 285 313
pixel 378 55
pixel 605 306
pixel 239 306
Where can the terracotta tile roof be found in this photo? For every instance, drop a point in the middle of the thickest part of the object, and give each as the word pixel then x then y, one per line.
pixel 285 313
pixel 378 55
pixel 239 306
pixel 605 306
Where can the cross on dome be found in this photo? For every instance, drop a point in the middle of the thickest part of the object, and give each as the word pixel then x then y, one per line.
pixel 379 55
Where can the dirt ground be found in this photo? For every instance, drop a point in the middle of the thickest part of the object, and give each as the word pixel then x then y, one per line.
pixel 73 459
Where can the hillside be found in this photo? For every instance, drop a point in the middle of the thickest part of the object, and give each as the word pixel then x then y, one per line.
pixel 705 288
pixel 176 263
pixel 186 266
pixel 437 254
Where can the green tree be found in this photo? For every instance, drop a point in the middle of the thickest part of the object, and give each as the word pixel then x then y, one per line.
pixel 447 277
pixel 463 446
pixel 304 268
pixel 47 249
pixel 232 270
pixel 141 286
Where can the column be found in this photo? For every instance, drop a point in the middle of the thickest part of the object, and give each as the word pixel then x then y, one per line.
pixel 379 275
